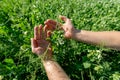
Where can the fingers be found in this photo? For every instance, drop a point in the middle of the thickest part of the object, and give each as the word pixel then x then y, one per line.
pixel 45 31
pixel 36 34
pixel 65 19
pixel 49 21
pixel 48 34
pixel 51 24
pixel 33 43
pixel 40 31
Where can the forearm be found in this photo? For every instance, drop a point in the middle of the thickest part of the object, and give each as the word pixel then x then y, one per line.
pixel 54 71
pixel 108 39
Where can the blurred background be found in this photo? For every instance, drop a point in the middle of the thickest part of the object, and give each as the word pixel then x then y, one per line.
pixel 80 61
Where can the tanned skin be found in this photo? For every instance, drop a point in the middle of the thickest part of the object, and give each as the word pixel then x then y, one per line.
pixel 40 46
pixel 109 39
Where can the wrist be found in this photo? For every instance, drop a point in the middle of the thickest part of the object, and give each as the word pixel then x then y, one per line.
pixel 75 34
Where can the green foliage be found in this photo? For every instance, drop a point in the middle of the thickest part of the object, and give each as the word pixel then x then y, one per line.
pixel 80 61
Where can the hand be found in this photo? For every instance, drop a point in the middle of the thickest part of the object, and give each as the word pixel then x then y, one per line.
pixel 39 43
pixel 67 26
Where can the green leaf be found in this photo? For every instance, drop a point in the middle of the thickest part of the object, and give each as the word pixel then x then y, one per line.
pixel 9 61
pixel 1 77
pixel 86 64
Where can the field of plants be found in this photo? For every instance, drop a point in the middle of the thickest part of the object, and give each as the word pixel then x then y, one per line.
pixel 79 60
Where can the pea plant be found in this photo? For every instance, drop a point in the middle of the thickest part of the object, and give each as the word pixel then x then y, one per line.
pixel 79 60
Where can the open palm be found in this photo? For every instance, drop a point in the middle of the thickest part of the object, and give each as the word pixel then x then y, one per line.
pixel 39 43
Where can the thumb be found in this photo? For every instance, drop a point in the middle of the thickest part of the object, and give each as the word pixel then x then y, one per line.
pixel 65 19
